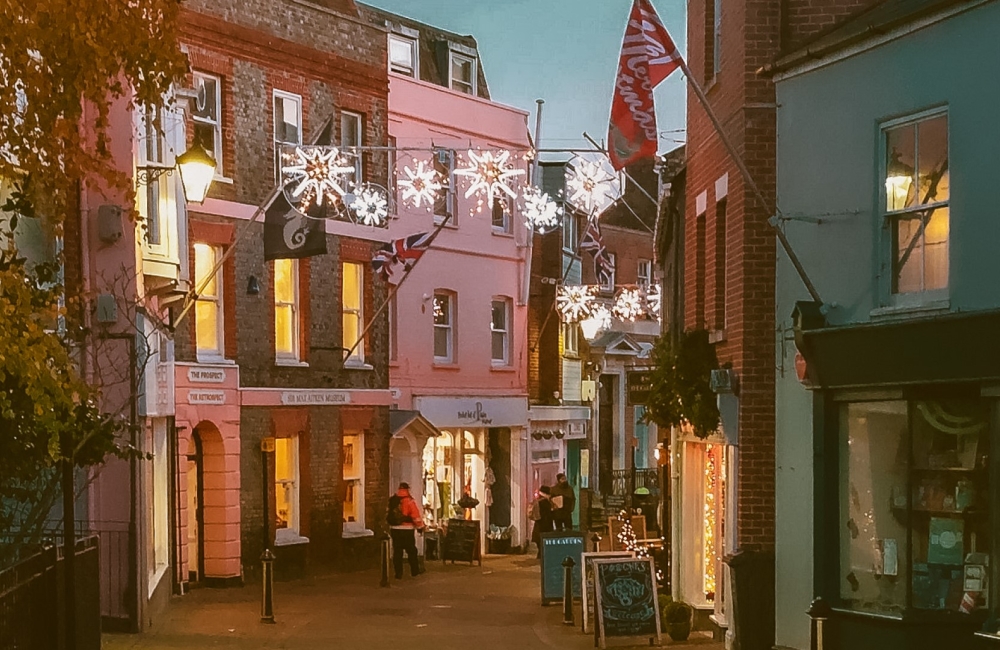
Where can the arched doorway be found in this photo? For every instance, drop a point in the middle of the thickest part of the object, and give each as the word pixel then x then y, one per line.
pixel 206 502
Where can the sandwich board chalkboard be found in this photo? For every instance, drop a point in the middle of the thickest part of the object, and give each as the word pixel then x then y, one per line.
pixel 587 578
pixel 556 547
pixel 462 542
pixel 626 599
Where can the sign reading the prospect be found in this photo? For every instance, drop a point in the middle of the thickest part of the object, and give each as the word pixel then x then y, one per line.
pixel 638 384
pixel 587 576
pixel 626 599
pixel 556 547
pixel 462 543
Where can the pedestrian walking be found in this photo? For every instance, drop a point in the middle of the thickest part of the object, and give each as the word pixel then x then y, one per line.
pixel 541 514
pixel 563 502
pixel 404 520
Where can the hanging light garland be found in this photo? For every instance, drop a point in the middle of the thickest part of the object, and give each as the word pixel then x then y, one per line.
pixel 421 185
pixel 574 302
pixel 627 538
pixel 370 205
pixel 711 518
pixel 541 213
pixel 315 176
pixel 601 318
pixel 629 305
pixel 592 185
pixel 490 175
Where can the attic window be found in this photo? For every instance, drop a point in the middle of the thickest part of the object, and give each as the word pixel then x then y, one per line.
pixel 463 73
pixel 402 55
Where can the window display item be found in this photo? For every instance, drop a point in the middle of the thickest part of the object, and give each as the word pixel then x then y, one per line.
pixel 945 544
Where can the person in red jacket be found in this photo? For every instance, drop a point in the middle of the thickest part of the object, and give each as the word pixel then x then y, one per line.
pixel 404 520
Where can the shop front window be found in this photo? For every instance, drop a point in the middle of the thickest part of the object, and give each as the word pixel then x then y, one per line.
pixel 913 497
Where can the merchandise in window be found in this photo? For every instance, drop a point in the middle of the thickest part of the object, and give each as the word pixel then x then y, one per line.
pixel 353 310
pixel 208 306
pixel 207 116
pixel 286 483
pixel 402 55
pixel 463 73
pixel 286 310
pixel 914 491
pixel 443 331
pixel 354 455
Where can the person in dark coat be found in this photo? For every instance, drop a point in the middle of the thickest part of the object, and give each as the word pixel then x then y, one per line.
pixel 564 501
pixel 544 523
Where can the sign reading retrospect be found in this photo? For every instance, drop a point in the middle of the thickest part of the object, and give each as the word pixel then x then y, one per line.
pixel 462 543
pixel 626 599
pixel 638 384
pixel 556 547
pixel 206 397
pixel 295 398
pixel 587 576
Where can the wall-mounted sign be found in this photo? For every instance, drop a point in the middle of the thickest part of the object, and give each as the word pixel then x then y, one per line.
pixel 206 375
pixel 319 397
pixel 217 397
pixel 638 384
pixel 474 412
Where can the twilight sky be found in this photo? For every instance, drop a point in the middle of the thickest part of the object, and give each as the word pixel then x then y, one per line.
pixel 562 51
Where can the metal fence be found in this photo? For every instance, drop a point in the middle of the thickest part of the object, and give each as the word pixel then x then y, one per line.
pixel 624 482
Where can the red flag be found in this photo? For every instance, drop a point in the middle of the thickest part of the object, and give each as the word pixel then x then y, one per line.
pixel 648 57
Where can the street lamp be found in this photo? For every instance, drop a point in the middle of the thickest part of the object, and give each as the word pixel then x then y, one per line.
pixel 196 167
pixel 898 179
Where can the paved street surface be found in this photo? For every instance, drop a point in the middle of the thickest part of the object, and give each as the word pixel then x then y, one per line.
pixel 449 607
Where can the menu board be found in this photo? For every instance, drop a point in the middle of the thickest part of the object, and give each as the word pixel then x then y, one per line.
pixel 462 542
pixel 556 547
pixel 626 599
pixel 587 578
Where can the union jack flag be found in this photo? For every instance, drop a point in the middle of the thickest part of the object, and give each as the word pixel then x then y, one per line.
pixel 405 252
pixel 593 243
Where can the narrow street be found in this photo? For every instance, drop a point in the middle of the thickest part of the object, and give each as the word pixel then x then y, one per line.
pixel 448 607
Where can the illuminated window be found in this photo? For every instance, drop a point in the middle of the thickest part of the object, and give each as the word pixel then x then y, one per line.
pixel 353 310
pixel 286 487
pixel 286 310
pixel 354 481
pixel 208 306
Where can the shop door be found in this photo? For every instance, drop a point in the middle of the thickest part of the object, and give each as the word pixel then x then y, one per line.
pixel 499 441
pixel 573 475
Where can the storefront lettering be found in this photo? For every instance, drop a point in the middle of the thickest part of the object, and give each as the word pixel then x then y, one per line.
pixel 290 398
pixel 206 375
pixel 476 415
pixel 206 397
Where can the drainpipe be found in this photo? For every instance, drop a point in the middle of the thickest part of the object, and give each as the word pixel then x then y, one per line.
pixel 675 514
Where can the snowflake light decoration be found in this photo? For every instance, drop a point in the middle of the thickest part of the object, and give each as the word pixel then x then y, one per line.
pixel 421 185
pixel 575 302
pixel 370 205
pixel 654 299
pixel 490 174
pixel 542 214
pixel 592 185
pixel 315 176
pixel 628 305
pixel 600 315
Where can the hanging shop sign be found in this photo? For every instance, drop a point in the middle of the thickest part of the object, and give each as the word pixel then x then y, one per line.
pixel 447 412
pixel 638 384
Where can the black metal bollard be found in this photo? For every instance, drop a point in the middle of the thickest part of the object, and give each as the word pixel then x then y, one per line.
pixel 819 612
pixel 596 540
pixel 267 596
pixel 568 565
pixel 384 582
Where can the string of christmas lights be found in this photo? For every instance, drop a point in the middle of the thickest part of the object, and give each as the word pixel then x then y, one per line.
pixel 709 552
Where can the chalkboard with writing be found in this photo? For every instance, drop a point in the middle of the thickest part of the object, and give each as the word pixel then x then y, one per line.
pixel 462 542
pixel 587 578
pixel 626 599
pixel 556 547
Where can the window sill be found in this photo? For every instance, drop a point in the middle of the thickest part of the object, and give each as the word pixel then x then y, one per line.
pixel 502 368
pixel 358 366
pixel 214 360
pixel 225 180
pixel 902 311
pixel 572 356
pixel 356 534
pixel 291 363
pixel 446 365
pixel 289 539
pixel 451 222
pixel 503 233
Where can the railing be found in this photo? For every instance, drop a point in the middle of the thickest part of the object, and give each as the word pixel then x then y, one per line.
pixel 625 482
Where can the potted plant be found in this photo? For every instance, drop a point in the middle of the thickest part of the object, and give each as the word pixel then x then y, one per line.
pixel 499 539
pixel 677 620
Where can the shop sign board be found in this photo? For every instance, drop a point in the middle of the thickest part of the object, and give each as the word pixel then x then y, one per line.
pixel 587 578
pixel 627 606
pixel 217 397
pixel 319 397
pixel 638 384
pixel 446 412
pixel 462 543
pixel 206 375
pixel 556 547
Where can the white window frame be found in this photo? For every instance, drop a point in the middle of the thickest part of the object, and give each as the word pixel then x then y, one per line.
pixel 216 124
pixel 294 357
pixel 717 39
pixel 414 56
pixel 450 327
pixel 275 96
pixel 505 330
pixel 159 475
pixel 206 354
pixel 357 357
pixel 926 297
pixel 504 228
pixel 358 526
pixel 450 207
pixel 610 285
pixel 571 340
pixel 158 150
pixel 458 56
pixel 644 273
pixel 346 117
pixel 570 227
pixel 293 486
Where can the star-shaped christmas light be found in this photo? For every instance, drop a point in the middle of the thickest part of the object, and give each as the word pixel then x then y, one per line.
pixel 654 298
pixel 628 305
pixel 316 175
pixel 592 185
pixel 541 213
pixel 600 315
pixel 575 302
pixel 421 185
pixel 370 205
pixel 490 174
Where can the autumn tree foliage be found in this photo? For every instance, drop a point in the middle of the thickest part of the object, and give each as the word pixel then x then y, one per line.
pixel 64 66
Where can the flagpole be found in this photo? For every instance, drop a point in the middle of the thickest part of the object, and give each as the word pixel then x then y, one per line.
pixel 395 289
pixel 738 161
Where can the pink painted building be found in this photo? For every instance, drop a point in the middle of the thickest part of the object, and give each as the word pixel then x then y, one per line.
pixel 458 323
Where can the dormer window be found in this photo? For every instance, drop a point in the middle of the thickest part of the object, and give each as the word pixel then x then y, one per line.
pixel 463 73
pixel 403 55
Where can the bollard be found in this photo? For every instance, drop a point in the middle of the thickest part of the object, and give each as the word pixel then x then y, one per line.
pixel 384 582
pixel 596 539
pixel 267 597
pixel 568 565
pixel 819 612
